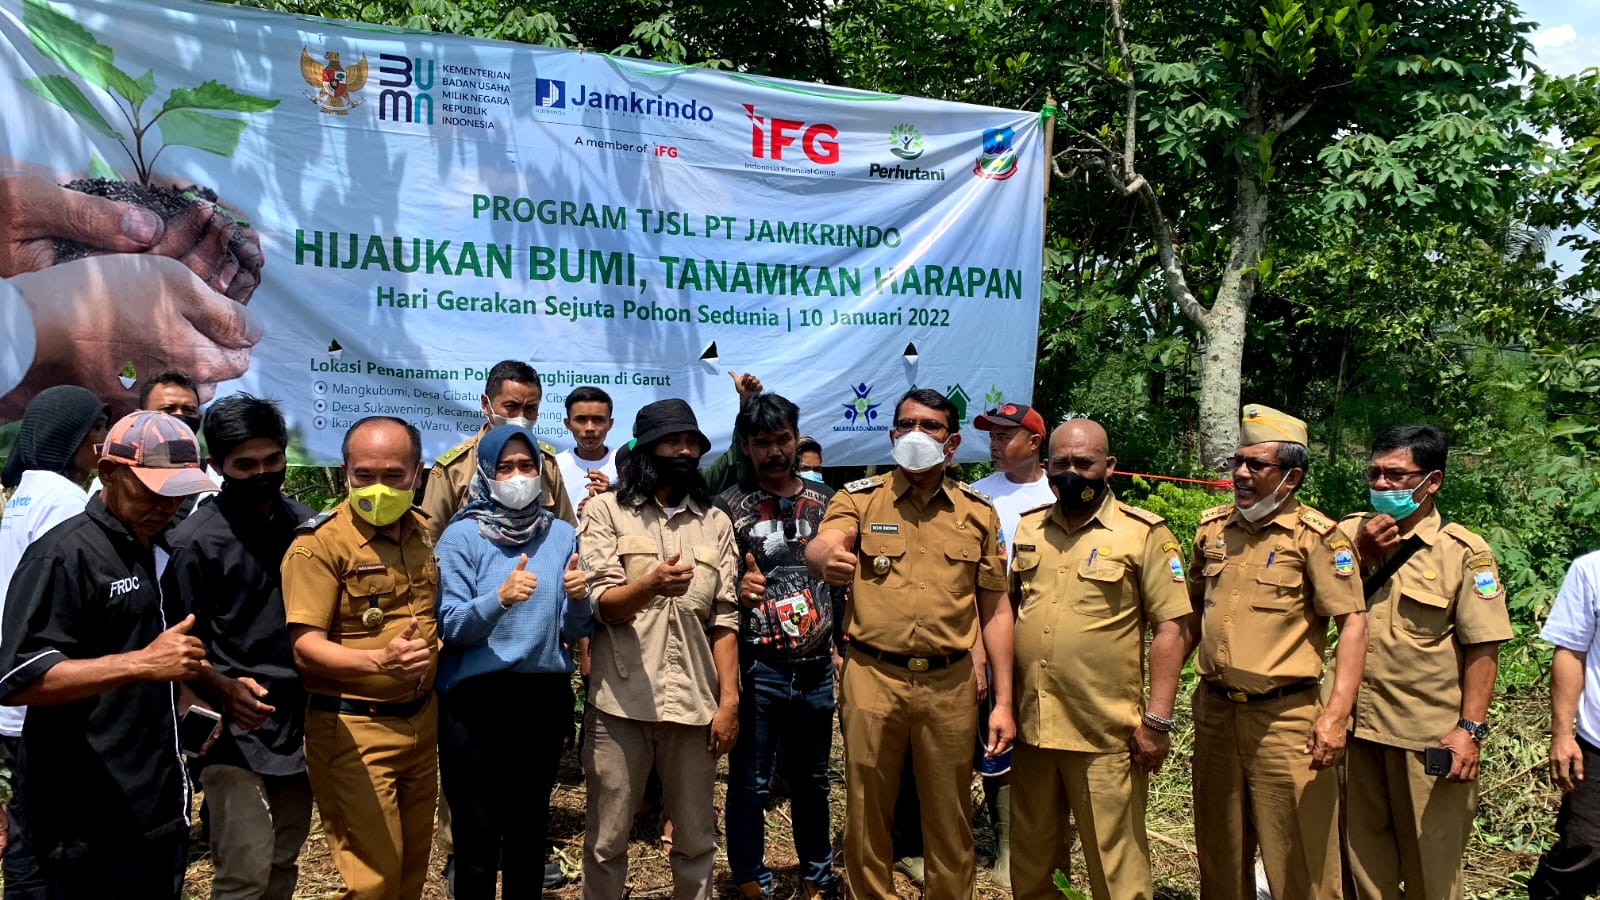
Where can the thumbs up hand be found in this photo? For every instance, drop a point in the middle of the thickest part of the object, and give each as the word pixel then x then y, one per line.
pixel 175 654
pixel 573 579
pixel 671 578
pixel 753 586
pixel 406 656
pixel 519 584
pixel 840 566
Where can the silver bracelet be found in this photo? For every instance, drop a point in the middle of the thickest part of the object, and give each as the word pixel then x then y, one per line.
pixel 1157 723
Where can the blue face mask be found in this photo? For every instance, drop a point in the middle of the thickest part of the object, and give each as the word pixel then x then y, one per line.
pixel 812 475
pixel 1397 505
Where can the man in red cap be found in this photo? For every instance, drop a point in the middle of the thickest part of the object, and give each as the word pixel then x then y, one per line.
pixel 90 647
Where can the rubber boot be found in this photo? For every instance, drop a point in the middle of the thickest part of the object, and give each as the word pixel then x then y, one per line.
pixel 1001 877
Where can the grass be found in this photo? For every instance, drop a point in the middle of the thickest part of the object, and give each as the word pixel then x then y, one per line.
pixel 1516 815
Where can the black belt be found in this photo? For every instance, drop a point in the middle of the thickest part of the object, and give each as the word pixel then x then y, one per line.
pixel 914 663
pixel 1288 690
pixel 405 710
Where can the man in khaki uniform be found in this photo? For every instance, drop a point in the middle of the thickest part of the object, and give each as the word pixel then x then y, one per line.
pixel 1089 575
pixel 358 591
pixel 1436 614
pixel 1266 574
pixel 511 396
pixel 924 557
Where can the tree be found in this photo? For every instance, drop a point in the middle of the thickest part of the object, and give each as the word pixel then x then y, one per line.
pixel 1216 120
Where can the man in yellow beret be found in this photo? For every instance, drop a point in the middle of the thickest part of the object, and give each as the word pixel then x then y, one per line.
pixel 1266 574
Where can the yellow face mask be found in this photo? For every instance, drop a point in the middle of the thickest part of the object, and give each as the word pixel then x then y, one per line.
pixel 380 504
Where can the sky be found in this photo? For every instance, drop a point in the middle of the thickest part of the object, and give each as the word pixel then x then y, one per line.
pixel 1568 37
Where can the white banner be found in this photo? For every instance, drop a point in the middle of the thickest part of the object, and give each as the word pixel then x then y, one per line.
pixel 427 205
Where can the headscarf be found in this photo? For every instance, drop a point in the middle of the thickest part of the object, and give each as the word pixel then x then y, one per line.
pixel 506 527
pixel 53 426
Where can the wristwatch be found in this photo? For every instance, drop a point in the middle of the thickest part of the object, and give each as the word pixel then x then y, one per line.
pixel 1478 730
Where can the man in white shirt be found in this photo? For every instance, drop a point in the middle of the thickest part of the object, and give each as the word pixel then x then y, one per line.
pixel 54 454
pixel 1571 868
pixel 1016 435
pixel 588 468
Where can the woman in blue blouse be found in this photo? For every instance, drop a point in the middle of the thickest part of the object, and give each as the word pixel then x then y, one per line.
pixel 512 599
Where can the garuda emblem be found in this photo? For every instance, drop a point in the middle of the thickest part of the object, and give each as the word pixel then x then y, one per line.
pixel 336 85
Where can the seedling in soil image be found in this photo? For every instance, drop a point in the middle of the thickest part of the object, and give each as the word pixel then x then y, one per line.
pixel 187 116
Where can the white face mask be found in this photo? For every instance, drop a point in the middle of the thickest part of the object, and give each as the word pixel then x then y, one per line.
pixel 519 421
pixel 1264 507
pixel 917 452
pixel 516 492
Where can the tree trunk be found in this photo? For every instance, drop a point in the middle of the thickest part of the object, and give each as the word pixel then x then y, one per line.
pixel 1224 323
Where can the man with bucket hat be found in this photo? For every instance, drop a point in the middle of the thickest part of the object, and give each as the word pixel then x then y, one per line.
pixel 92 649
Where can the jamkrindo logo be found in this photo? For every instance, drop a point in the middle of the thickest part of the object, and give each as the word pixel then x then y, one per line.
pixel 336 86
pixel 860 413
pixel 998 161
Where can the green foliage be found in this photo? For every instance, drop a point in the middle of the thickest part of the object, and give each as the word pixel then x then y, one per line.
pixel 186 117
pixel 1180 506
pixel 1059 879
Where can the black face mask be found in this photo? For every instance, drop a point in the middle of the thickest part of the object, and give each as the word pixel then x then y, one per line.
pixel 676 472
pixel 192 421
pixel 1075 493
pixel 257 490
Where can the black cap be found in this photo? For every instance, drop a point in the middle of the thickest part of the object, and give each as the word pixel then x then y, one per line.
pixel 53 426
pixel 663 417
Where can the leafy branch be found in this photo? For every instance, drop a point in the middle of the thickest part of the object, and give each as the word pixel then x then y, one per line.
pixel 184 118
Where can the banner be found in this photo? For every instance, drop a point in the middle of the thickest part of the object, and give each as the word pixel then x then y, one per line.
pixel 356 220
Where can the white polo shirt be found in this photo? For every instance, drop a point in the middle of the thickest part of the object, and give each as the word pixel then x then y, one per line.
pixel 1572 626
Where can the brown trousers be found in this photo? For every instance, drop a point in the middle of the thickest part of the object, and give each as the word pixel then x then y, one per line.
pixel 887 710
pixel 375 781
pixel 617 755
pixel 1105 795
pixel 1402 825
pixel 1254 786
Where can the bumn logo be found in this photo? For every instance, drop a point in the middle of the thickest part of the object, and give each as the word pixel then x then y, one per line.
pixel 550 93
pixel 770 136
pixel 405 96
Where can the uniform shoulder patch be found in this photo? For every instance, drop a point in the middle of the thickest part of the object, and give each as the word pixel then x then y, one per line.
pixel 1472 541
pixel 313 523
pixel 1043 507
pixel 1215 513
pixel 864 484
pixel 1316 521
pixel 1143 515
pixel 546 449
pixel 975 493
pixel 453 454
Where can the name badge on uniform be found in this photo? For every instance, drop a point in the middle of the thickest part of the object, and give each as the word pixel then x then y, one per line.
pixel 883 528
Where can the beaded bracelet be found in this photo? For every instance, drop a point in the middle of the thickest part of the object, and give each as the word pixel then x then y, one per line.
pixel 1157 723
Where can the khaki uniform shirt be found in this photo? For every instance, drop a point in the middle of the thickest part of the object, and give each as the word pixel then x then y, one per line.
pixel 452 473
pixel 1265 593
pixel 339 566
pixel 921 564
pixel 1084 600
pixel 1446 596
pixel 657 666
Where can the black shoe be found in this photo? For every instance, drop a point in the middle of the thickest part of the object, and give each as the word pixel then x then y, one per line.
pixel 554 877
pixel 450 876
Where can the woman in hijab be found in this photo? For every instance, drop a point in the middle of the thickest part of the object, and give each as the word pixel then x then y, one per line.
pixel 512 599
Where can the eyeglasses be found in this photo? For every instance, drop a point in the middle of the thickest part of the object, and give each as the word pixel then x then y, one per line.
pixel 1256 466
pixel 931 426
pixel 1391 475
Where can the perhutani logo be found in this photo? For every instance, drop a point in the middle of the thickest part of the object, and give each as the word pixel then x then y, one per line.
pixel 905 141
pixel 632 103
pixel 998 160
pixel 860 413
pixel 771 136
pixel 336 86
pixel 549 93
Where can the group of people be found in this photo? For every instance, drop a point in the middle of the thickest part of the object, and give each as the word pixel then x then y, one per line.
pixel 424 631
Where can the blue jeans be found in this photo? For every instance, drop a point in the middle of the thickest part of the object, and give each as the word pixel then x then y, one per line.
pixel 787 704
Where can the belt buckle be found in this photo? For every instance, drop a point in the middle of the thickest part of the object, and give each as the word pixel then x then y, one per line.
pixel 917 664
pixel 1237 696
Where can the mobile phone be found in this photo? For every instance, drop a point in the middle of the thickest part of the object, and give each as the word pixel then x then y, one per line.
pixel 1437 760
pixel 195 730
